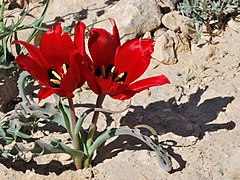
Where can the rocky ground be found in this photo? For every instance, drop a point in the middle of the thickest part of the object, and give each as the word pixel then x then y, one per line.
pixel 196 116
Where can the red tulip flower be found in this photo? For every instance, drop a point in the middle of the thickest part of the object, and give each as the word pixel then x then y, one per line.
pixel 56 63
pixel 116 68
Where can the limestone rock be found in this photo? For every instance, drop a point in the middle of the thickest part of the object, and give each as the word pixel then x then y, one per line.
pixel 234 25
pixel 181 41
pixel 133 18
pixel 204 53
pixel 168 45
pixel 174 21
pixel 159 31
pixel 164 49
pixel 147 35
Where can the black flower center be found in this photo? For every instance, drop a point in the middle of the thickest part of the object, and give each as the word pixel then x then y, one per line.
pixel 110 73
pixel 55 78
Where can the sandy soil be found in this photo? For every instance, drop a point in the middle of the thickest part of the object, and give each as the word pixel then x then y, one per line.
pixel 196 116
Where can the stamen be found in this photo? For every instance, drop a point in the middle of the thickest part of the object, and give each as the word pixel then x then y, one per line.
pixel 103 71
pixel 55 81
pixel 64 68
pixel 119 77
pixel 56 75
pixel 112 70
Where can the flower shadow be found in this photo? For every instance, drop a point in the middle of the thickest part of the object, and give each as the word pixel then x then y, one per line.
pixel 190 119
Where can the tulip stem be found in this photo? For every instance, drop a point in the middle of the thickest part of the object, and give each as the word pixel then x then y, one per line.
pixel 75 137
pixel 93 125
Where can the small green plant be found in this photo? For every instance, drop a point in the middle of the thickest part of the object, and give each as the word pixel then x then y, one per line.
pixel 8 33
pixel 190 77
pixel 211 13
pixel 221 170
pixel 10 28
pixel 203 67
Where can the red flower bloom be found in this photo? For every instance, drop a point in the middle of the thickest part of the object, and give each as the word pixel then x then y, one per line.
pixel 56 64
pixel 116 67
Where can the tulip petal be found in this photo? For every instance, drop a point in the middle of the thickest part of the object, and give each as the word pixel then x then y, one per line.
pixel 87 74
pixel 90 78
pixel 79 35
pixel 34 53
pixel 73 78
pixel 68 83
pixel 93 85
pixel 63 93
pixel 56 47
pixel 115 32
pixel 44 93
pixel 102 47
pixel 142 85
pixel 28 64
pixel 134 58
pixel 110 87
pixel 75 69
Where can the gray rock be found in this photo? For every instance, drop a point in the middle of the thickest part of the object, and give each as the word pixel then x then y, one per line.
pixel 8 91
pixel 133 18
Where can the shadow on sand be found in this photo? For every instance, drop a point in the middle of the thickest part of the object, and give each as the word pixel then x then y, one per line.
pixel 189 119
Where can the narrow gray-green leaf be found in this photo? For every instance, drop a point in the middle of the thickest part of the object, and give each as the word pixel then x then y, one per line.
pixel 162 155
pixel 66 114
pixel 38 24
pixel 55 146
pixel 80 121
pixel 20 85
pixel 153 132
